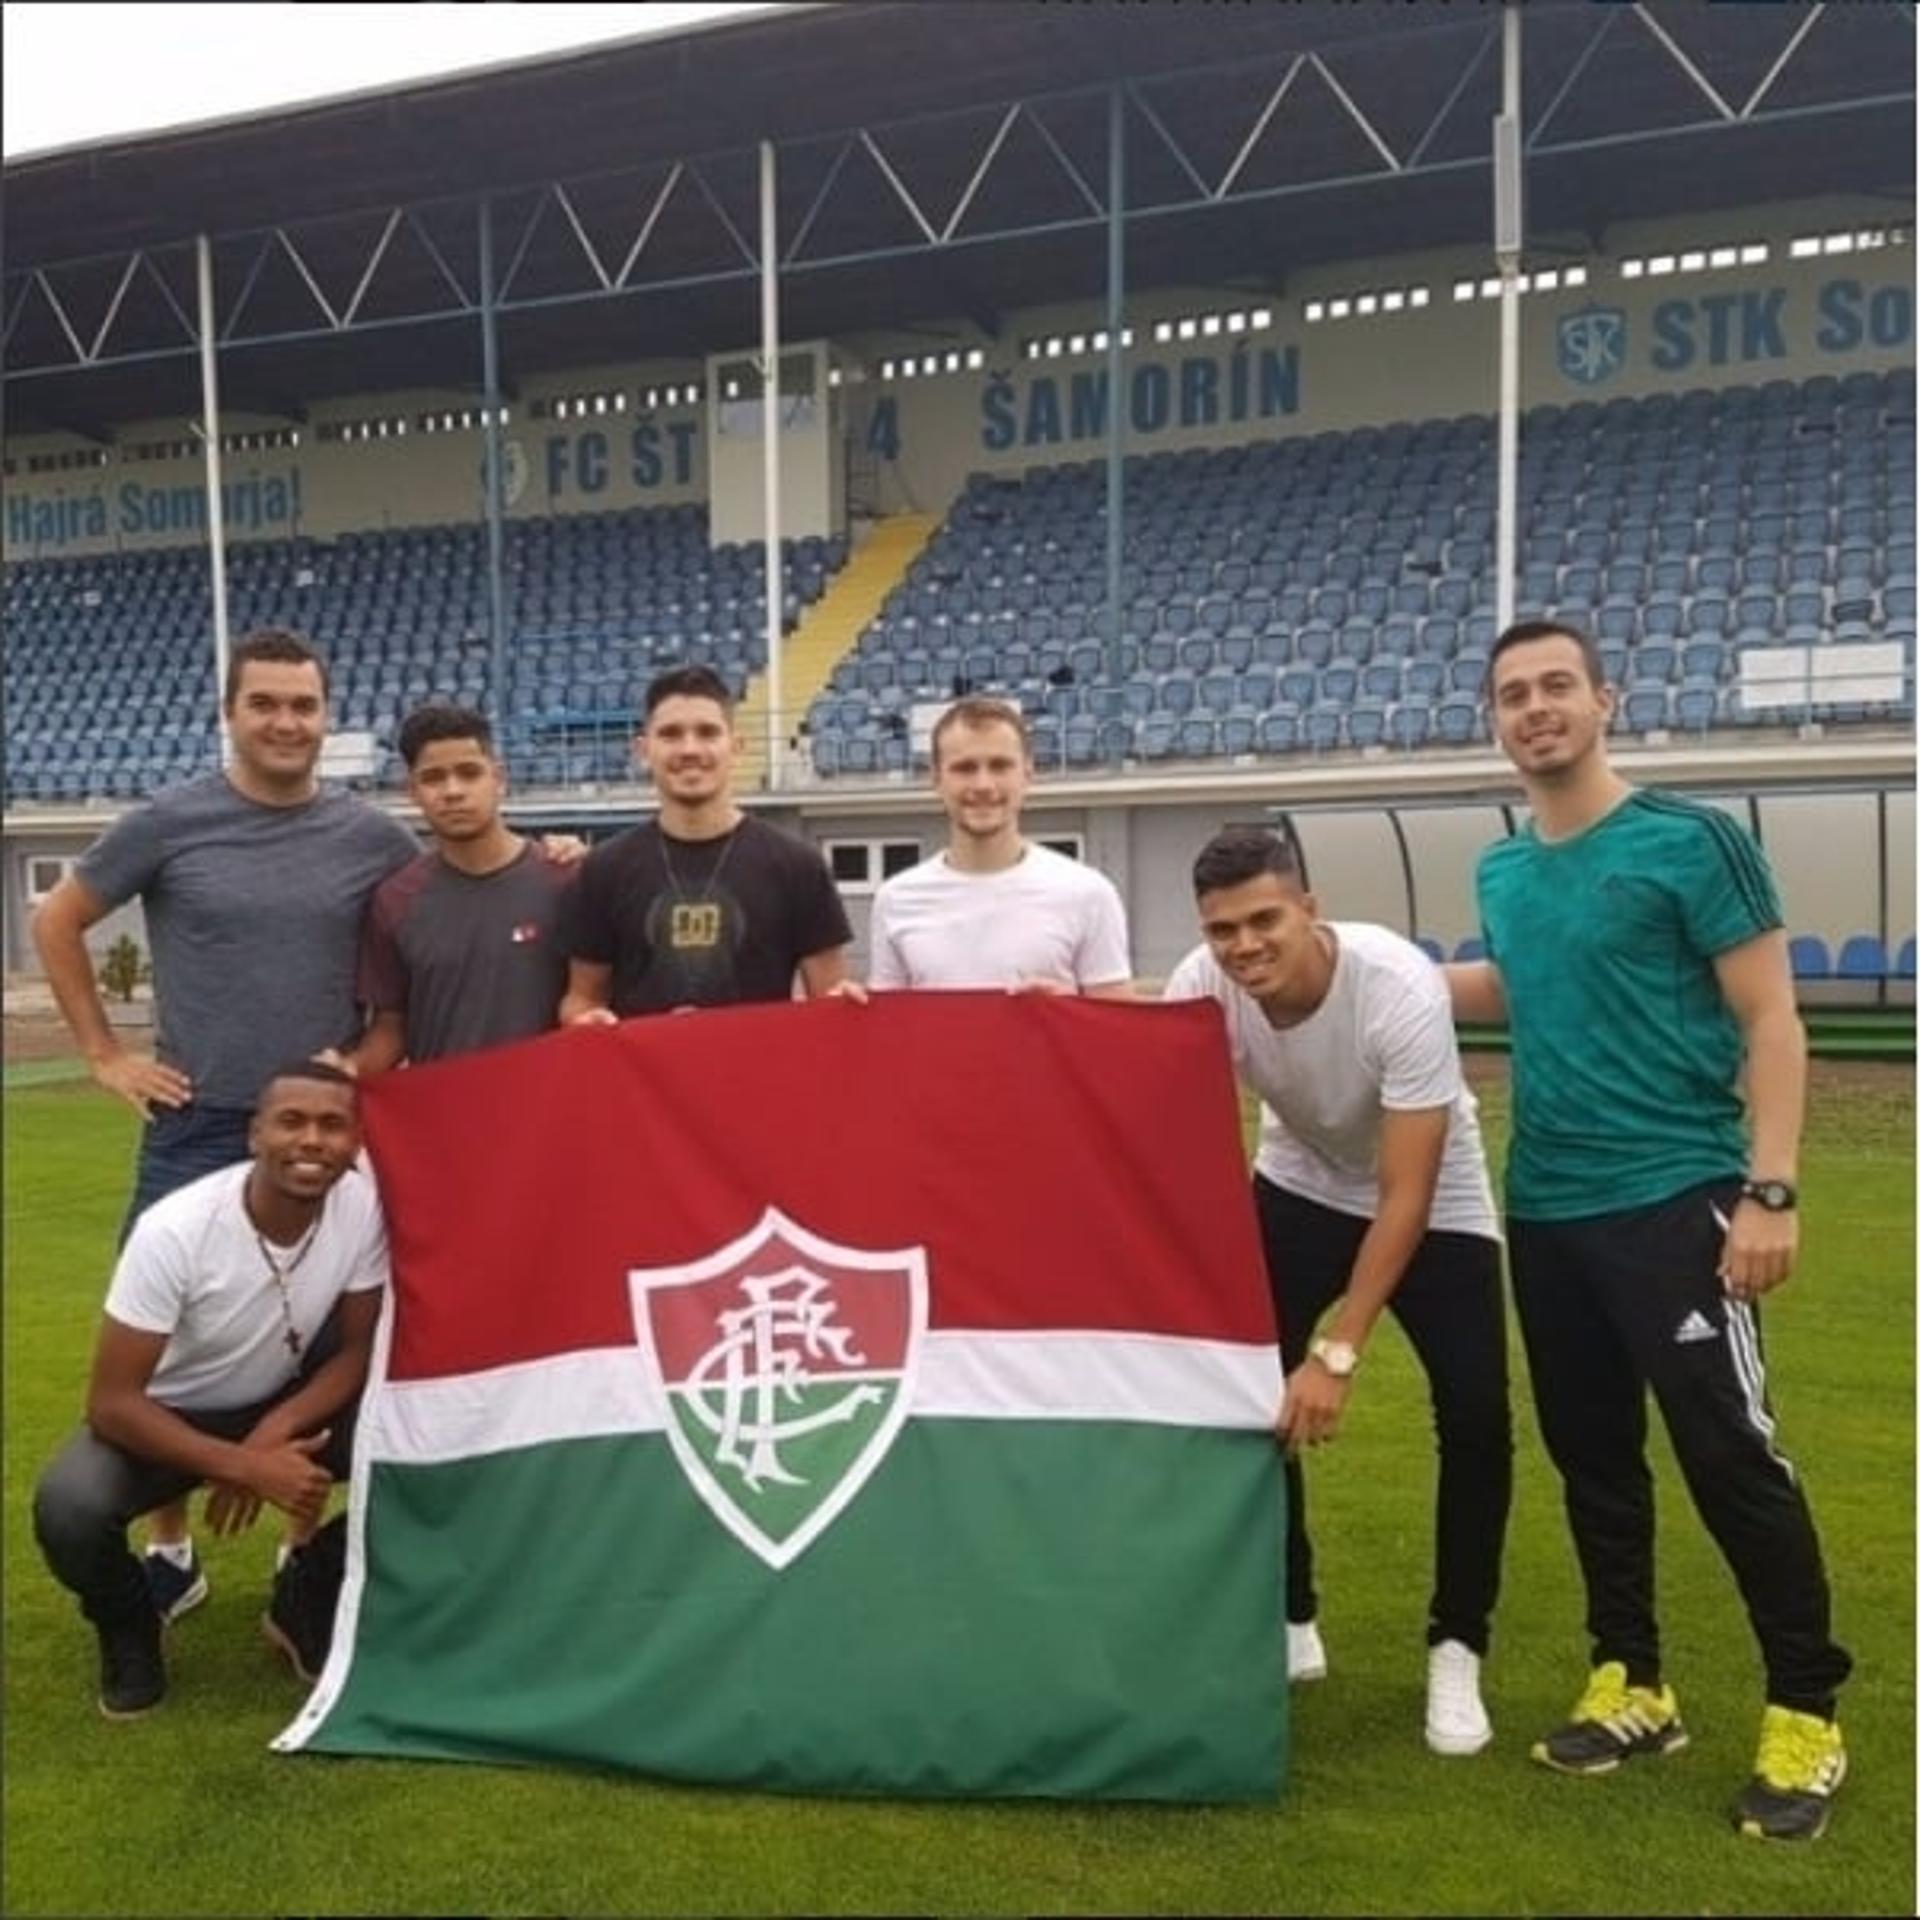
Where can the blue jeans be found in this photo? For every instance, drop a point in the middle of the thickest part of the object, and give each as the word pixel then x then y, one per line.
pixel 180 1144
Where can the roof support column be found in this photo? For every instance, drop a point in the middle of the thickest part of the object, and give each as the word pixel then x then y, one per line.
pixel 216 517
pixel 1116 366
pixel 492 479
pixel 770 435
pixel 1508 237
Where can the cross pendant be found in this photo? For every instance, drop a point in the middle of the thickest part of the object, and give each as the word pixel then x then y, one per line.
pixel 292 1340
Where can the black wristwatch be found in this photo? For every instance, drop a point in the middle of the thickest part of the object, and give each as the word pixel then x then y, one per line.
pixel 1776 1196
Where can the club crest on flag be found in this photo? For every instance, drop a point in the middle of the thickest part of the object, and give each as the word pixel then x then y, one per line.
pixel 786 1364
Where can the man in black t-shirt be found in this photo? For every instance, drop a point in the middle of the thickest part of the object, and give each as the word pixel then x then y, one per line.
pixel 461 948
pixel 704 906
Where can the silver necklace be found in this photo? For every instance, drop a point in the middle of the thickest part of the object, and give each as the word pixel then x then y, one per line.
pixel 282 1274
pixel 694 921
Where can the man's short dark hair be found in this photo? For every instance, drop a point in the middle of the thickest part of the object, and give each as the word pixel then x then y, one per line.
pixel 979 710
pixel 687 683
pixel 277 646
pixel 1524 632
pixel 424 725
pixel 1236 855
pixel 323 1071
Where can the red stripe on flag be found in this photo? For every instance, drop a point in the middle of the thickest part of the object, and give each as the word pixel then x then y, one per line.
pixel 1067 1163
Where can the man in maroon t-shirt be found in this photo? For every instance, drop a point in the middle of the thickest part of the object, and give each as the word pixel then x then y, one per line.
pixel 461 947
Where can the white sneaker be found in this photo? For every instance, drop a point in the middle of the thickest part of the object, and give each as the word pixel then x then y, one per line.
pixel 1457 1722
pixel 1306 1653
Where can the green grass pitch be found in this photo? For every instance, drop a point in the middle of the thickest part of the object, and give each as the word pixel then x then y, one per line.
pixel 186 1812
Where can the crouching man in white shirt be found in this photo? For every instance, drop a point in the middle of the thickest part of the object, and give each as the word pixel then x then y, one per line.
pixel 992 909
pixel 235 1342
pixel 1372 1191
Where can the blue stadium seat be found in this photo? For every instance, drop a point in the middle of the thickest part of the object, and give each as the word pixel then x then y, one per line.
pixel 1646 709
pixel 1279 730
pixel 1903 960
pixel 1862 956
pixel 1255 688
pixel 1154 736
pixel 1381 680
pixel 1654 660
pixel 1807 954
pixel 1366 723
pixel 1339 683
pixel 1321 728
pixel 1175 693
pixel 1471 948
pixel 1239 732
pixel 1456 720
pixel 1696 706
pixel 1410 725
pixel 1298 686
pixel 1423 678
pixel 1313 643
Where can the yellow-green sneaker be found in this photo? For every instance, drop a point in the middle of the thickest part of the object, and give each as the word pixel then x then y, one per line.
pixel 1801 1762
pixel 1613 1722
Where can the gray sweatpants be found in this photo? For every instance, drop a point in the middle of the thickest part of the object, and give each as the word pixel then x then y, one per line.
pixel 93 1491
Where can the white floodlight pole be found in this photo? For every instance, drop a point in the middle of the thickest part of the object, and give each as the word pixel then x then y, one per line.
pixel 770 434
pixel 1508 231
pixel 216 519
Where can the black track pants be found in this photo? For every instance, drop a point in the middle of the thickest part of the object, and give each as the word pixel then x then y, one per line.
pixel 1608 1307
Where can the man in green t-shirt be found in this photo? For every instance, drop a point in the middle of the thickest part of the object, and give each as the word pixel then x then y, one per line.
pixel 1634 943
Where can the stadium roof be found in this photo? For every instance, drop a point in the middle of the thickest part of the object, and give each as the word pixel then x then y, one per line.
pixel 1259 141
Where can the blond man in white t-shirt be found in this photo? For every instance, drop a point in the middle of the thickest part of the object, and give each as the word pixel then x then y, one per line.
pixel 992 909
pixel 1371 1185
pixel 235 1342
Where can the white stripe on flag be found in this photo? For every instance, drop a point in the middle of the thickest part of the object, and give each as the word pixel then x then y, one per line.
pixel 1098 1376
pixel 1068 1375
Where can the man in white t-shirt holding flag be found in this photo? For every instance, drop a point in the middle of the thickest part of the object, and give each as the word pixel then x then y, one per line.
pixel 1372 1191
pixel 993 909
pixel 234 1345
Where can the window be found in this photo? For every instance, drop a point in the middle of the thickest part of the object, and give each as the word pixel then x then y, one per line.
pixel 376 427
pixel 674 394
pixel 1537 280
pixel 1715 258
pixel 260 440
pixel 858 866
pixel 40 873
pixel 66 462
pixel 1062 346
pixel 1073 845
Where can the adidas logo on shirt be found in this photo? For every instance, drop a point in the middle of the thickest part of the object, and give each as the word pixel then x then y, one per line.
pixel 1695 1327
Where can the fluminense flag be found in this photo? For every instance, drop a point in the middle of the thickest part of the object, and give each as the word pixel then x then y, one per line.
pixel 828 1397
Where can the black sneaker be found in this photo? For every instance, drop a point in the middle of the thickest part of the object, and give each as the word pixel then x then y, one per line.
pixel 1801 1764
pixel 1613 1722
pixel 306 1590
pixel 176 1590
pixel 133 1676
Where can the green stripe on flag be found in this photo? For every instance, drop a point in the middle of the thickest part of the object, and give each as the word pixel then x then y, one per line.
pixel 1009 1607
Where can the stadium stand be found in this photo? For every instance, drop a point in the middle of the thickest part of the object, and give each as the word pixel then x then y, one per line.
pixel 109 675
pixel 1336 591
pixel 1318 594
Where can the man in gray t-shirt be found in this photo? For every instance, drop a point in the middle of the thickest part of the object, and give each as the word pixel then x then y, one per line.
pixel 461 947
pixel 253 883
